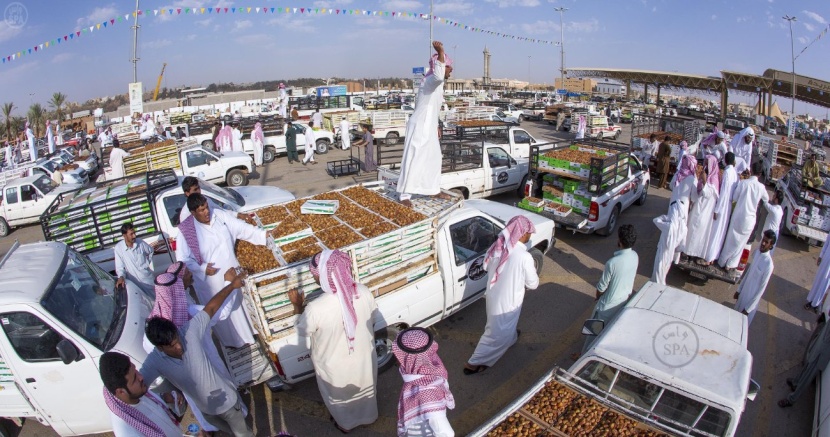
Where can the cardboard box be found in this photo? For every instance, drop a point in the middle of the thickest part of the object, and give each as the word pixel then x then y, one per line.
pixel 319 206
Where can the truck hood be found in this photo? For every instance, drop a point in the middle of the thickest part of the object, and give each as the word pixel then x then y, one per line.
pixel 544 226
pixel 237 156
pixel 132 336
pixel 261 196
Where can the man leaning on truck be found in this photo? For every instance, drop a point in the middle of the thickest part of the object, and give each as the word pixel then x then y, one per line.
pixel 134 260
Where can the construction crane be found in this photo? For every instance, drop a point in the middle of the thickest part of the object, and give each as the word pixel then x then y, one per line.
pixel 158 84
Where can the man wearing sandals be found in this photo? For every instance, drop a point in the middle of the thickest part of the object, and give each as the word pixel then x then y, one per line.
pixel 510 269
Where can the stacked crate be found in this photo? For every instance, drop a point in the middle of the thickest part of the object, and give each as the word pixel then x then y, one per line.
pixel 331 120
pixel 156 156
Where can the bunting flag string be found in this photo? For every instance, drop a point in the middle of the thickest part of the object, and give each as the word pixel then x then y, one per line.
pixel 111 23
pixel 820 35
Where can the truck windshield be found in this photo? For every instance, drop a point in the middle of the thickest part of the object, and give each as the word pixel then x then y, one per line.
pixel 44 185
pixel 84 298
pixel 223 193
pixel 49 165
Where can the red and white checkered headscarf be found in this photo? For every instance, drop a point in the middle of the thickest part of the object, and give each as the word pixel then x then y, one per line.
pixel 171 300
pixel 713 176
pixel 178 269
pixel 257 133
pixel 188 230
pixel 687 168
pixel 425 387
pixel 516 228
pixel 433 59
pixel 134 418
pixel 333 269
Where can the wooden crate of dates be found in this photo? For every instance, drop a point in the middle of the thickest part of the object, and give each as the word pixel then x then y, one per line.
pixel 387 243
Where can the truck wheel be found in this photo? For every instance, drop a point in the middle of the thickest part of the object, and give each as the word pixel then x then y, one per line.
pixel 392 138
pixel 384 339
pixel 8 428
pixel 643 196
pixel 784 230
pixel 612 222
pixel 599 135
pixel 268 155
pixel 322 147
pixel 538 259
pixel 461 192
pixel 4 227
pixel 617 134
pixel 520 192
pixel 209 144
pixel 236 178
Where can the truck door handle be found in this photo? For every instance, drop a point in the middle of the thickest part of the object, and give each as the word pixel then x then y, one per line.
pixel 462 279
pixel 30 380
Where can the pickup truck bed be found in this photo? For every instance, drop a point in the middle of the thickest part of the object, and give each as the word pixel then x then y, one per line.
pixel 560 405
pixel 707 272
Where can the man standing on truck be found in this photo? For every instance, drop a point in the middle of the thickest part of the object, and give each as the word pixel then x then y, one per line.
pixel 283 101
pixel 741 146
pixel 236 138
pixel 617 281
pixel 647 150
pixel 754 281
pixel 339 326
pixel 135 411
pixel 310 144
pixel 208 238
pixel 30 139
pixel 510 270
pixel 317 118
pixel 746 196
pixel 180 357
pixel 821 281
pixel 723 210
pixel 134 260
pixel 663 161
pixel 117 155
pixel 715 145
pixel 421 164
pixel 291 142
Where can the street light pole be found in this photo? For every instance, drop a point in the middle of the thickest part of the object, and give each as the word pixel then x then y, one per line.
pixel 561 10
pixel 791 124
pixel 528 72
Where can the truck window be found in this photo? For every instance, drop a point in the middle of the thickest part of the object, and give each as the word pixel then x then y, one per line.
pixel 472 237
pixel 498 157
pixel 196 158
pixel 173 205
pixel 32 339
pixel 521 137
pixel 27 193
pixel 634 165
pixel 11 195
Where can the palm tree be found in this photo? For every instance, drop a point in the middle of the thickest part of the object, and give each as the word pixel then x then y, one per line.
pixel 7 116
pixel 57 102
pixel 37 118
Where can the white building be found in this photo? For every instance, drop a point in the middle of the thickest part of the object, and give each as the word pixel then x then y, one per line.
pixel 610 87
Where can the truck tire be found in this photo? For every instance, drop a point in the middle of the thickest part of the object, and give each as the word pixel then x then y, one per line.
pixel 392 138
pixel 520 192
pixel 4 227
pixel 322 147
pixel 617 134
pixel 236 178
pixel 612 222
pixel 538 259
pixel 8 428
pixel 599 135
pixel 269 155
pixel 643 196
pixel 461 192
pixel 209 144
pixel 384 338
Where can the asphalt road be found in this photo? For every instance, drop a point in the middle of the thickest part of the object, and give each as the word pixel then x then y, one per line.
pixel 551 319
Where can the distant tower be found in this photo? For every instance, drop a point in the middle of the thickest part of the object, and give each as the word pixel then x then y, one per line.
pixel 486 77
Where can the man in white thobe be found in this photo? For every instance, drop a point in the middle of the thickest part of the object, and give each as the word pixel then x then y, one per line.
pixel 421 164
pixel 700 218
pixel 673 233
pixel 746 196
pixel 310 144
pixel 134 260
pixel 718 150
pixel 510 270
pixel 206 246
pixel 117 155
pixel 9 155
pixel 741 146
pixel 345 135
pixel 338 326
pixel 258 141
pixel 756 278
pixel 774 214
pixel 723 209
pixel 30 139
pixel 148 128
pixel 821 281
pixel 236 138
pixel 317 118
pixel 283 100
pixel 50 137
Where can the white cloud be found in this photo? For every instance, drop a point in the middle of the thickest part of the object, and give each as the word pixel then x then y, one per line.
pixel 591 25
pixel 240 25
pixel 98 16
pixel 156 44
pixel 335 4
pixel 809 27
pixel 454 7
pixel 62 57
pixel 743 19
pixel 816 17
pixel 513 3
pixel 261 40
pixel 803 39
pixel 550 26
pixel 191 37
pixel 401 5
pixel 7 32
pixel 714 17
pixel 654 9
pixel 204 23
pixel 293 23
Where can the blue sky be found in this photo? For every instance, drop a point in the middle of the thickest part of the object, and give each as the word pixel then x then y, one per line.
pixel 701 37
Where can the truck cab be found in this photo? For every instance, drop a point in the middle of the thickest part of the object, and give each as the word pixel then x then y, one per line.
pixel 672 359
pixel 231 168
pixel 47 167
pixel 59 313
pixel 23 200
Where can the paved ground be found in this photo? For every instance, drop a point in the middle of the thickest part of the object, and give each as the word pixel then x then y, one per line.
pixel 550 324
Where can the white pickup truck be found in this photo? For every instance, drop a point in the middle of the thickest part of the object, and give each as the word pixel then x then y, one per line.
pixel 671 362
pixel 23 200
pixel 45 166
pixel 598 127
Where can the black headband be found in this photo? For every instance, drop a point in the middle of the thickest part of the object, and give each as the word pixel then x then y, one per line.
pixel 409 350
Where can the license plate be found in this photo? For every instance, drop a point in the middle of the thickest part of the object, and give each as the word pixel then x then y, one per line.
pixel 697 274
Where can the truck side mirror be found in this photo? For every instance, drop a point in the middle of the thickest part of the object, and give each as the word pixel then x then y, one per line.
pixel 67 352
pixel 754 388
pixel 593 327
